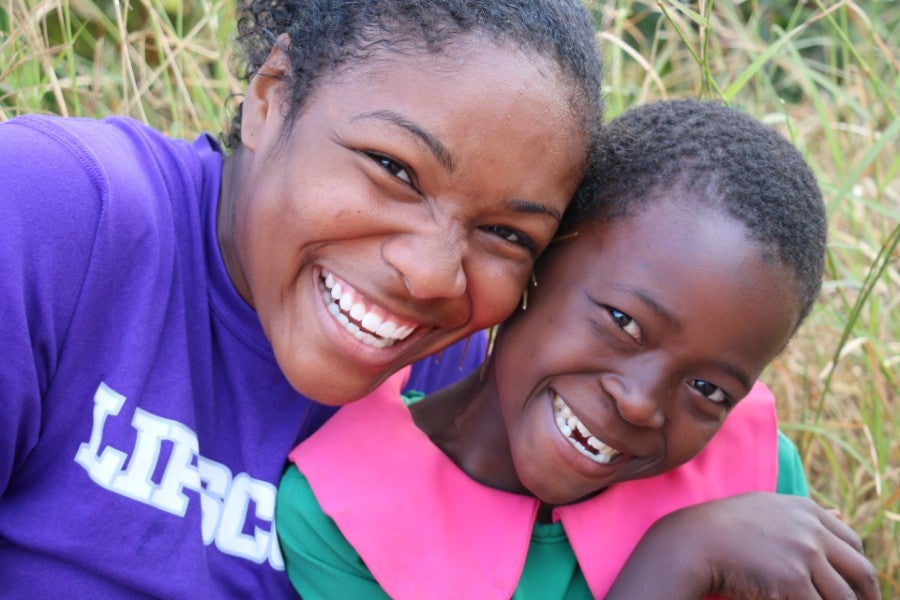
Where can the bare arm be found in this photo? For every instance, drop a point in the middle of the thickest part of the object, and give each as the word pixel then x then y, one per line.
pixel 757 545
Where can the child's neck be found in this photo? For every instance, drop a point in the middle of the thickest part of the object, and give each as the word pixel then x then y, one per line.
pixel 464 421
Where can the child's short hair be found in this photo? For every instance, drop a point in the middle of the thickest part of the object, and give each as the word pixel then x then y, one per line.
pixel 328 34
pixel 721 156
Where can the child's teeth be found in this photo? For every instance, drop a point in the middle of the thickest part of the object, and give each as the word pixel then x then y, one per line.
pixel 568 424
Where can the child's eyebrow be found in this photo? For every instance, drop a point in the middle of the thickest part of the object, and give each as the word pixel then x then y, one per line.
pixel 647 298
pixel 742 377
pixel 430 140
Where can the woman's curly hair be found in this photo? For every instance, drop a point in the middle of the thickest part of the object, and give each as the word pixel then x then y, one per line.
pixel 326 35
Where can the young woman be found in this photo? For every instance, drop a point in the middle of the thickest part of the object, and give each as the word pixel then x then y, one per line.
pixel 169 312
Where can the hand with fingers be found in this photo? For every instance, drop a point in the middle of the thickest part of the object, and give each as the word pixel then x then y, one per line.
pixel 752 546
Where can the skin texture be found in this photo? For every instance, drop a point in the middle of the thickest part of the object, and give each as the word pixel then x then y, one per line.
pixel 412 179
pixel 649 344
pixel 758 546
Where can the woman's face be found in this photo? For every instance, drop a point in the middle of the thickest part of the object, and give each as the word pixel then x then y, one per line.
pixel 639 337
pixel 403 212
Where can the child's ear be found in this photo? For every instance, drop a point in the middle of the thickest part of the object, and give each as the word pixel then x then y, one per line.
pixel 264 94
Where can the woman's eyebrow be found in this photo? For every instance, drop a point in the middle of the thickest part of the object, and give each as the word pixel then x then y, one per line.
pixel 443 156
pixel 533 208
pixel 429 140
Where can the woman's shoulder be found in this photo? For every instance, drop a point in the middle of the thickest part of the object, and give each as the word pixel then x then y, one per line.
pixel 113 156
pixel 89 178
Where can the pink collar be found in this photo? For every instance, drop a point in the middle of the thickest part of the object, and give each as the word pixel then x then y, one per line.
pixel 425 529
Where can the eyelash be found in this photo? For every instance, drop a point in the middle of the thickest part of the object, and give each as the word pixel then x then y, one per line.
pixel 726 399
pixel 507 233
pixel 394 167
pixel 623 321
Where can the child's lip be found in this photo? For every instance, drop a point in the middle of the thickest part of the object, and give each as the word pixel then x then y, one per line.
pixel 581 438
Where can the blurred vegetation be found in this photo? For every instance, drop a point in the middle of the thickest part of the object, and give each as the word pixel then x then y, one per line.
pixel 822 72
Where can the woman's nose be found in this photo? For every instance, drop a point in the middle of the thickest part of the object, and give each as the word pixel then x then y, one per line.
pixel 430 261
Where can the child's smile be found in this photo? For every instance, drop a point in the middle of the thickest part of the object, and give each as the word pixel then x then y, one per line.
pixel 581 438
pixel 638 339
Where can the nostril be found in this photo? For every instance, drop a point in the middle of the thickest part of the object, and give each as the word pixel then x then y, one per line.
pixel 633 404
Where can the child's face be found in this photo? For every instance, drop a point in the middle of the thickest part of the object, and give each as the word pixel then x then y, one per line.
pixel 416 191
pixel 639 336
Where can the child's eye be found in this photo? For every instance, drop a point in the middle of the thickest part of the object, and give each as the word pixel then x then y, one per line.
pixel 713 392
pixel 513 236
pixel 626 324
pixel 395 168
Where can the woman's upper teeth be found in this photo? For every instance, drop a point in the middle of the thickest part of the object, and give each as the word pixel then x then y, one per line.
pixel 368 323
pixel 579 435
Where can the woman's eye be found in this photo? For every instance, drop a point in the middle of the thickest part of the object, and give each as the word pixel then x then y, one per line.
pixel 713 392
pixel 393 167
pixel 512 236
pixel 626 324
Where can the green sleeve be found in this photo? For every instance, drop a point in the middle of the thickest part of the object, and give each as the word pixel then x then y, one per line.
pixel 318 560
pixel 791 478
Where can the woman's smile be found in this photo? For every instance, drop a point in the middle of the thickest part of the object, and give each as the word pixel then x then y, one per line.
pixel 402 213
pixel 369 323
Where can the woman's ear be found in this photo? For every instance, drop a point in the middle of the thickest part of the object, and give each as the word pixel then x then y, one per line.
pixel 264 94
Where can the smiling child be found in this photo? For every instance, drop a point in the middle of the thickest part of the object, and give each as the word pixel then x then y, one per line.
pixel 621 392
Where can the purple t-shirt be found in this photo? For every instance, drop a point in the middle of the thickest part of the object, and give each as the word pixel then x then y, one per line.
pixel 144 422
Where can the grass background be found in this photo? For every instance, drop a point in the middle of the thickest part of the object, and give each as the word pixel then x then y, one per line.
pixel 823 73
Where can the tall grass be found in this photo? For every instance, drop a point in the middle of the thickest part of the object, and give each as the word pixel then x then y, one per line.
pixel 823 73
pixel 166 63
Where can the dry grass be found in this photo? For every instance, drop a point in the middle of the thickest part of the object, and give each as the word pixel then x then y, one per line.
pixel 824 73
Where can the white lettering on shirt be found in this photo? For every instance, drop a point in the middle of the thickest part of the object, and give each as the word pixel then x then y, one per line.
pixel 225 500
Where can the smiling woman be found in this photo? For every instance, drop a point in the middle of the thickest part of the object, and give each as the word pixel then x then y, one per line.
pixel 390 184
pixel 175 318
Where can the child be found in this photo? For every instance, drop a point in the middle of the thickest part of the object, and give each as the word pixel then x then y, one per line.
pixel 681 274
pixel 169 313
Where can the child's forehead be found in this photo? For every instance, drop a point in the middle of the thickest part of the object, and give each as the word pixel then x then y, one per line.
pixel 681 231
pixel 683 258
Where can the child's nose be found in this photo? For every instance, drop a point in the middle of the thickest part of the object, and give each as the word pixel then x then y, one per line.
pixel 430 261
pixel 638 400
